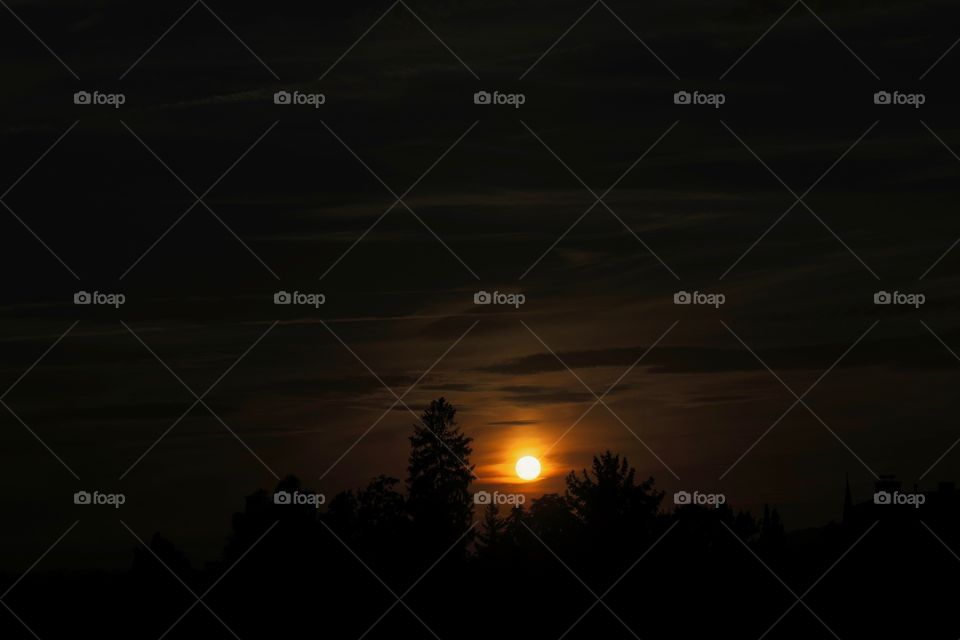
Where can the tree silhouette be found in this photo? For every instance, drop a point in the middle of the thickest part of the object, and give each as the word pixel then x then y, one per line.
pixel 651 565
pixel 609 501
pixel 439 474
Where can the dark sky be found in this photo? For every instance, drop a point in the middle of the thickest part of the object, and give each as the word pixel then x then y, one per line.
pixel 693 188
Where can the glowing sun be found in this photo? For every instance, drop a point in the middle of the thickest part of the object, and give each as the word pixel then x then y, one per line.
pixel 528 468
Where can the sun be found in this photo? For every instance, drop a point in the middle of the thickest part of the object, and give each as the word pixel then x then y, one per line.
pixel 528 468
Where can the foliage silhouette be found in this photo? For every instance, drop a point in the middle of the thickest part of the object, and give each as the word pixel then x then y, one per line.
pixel 604 558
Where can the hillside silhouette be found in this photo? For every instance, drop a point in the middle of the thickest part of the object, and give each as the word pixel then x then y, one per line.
pixel 609 557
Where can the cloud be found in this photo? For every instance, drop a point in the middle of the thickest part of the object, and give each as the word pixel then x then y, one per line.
pixel 899 353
